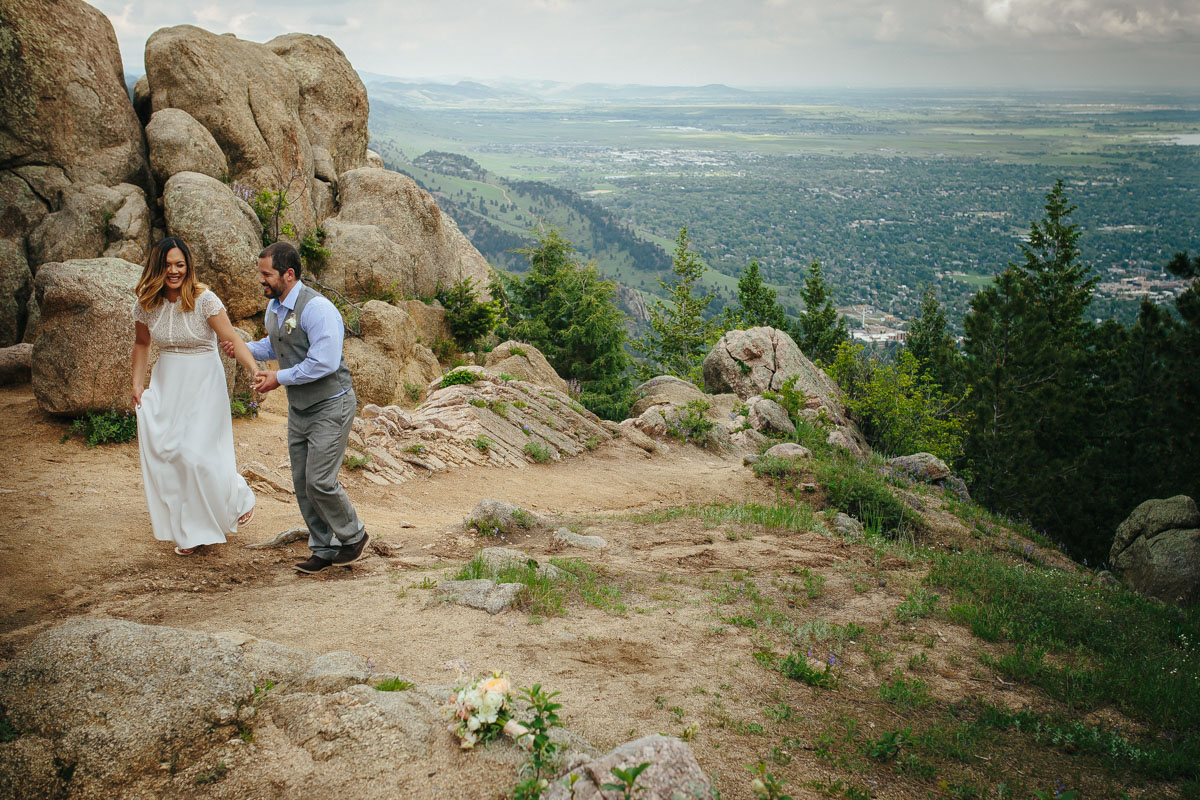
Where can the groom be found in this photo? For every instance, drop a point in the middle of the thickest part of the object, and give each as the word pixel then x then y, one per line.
pixel 304 331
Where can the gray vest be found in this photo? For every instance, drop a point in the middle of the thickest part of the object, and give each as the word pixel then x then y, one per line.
pixel 291 347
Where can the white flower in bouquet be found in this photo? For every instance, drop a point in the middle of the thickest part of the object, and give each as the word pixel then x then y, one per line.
pixel 478 711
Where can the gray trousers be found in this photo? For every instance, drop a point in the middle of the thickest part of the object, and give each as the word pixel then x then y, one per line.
pixel 317 439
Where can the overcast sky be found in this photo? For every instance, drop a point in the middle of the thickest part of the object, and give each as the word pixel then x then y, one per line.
pixel 1033 43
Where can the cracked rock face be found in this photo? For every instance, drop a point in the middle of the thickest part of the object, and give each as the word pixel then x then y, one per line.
pixel 758 360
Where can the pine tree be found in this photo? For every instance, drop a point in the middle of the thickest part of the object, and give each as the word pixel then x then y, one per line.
pixel 1051 261
pixel 1027 360
pixel 931 343
pixel 568 311
pixel 758 306
pixel 679 335
pixel 821 328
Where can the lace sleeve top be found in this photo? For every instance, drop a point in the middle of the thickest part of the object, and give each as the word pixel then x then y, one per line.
pixel 177 331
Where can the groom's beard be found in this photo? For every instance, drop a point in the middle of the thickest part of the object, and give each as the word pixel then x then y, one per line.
pixel 272 293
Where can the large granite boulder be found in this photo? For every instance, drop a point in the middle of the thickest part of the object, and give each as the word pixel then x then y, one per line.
pixel 750 362
pixel 178 143
pixel 924 467
pixel 81 357
pixel 333 100
pixel 664 390
pixel 224 235
pixel 430 317
pixel 94 221
pixel 386 358
pixel 413 246
pixel 1157 549
pixel 526 362
pixel 66 109
pixel 107 708
pixel 769 417
pixel 248 98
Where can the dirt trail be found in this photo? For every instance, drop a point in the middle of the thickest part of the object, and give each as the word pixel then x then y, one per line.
pixel 78 534
pixel 682 631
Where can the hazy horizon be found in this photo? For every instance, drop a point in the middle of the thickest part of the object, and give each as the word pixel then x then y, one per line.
pixel 766 44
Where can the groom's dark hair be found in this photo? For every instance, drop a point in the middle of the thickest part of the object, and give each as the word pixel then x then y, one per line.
pixel 284 256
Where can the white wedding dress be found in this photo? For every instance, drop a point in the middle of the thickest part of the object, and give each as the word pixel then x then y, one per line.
pixel 185 431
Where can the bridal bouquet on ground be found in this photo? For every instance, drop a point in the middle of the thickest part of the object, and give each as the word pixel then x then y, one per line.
pixel 480 710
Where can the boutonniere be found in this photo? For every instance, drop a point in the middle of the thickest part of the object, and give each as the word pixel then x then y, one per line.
pixel 289 324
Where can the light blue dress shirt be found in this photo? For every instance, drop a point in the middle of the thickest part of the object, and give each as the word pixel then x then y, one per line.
pixel 322 324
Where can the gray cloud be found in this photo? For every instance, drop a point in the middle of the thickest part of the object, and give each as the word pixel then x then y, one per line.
pixel 746 42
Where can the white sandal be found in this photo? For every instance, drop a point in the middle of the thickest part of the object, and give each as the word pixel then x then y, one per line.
pixel 179 551
pixel 244 519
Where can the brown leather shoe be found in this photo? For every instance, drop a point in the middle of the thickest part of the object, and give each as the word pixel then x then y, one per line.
pixel 313 565
pixel 349 553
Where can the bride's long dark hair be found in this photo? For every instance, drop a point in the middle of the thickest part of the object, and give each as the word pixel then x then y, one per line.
pixel 152 286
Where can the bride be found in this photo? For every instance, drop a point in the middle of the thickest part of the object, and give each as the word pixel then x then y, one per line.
pixel 185 432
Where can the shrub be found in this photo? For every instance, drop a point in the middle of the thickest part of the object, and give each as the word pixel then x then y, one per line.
pixel 482 443
pixel 901 410
pixel 776 467
pixel 691 423
pixel 443 349
pixel 413 390
pixel 456 377
pixel 796 667
pixel 105 427
pixel 242 406
pixel 393 685
pixel 313 251
pixel 538 452
pixel 517 351
pixel 865 495
pixel 355 462
pixel 469 318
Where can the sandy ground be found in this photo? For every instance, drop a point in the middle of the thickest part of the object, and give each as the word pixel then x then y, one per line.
pixel 674 654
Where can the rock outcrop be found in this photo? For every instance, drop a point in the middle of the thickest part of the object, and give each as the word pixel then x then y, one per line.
pixel 248 98
pixel 16 290
pixel 390 234
pixel 178 143
pixel 15 364
pixel 750 362
pixel 94 221
pixel 1157 549
pixel 385 360
pixel 107 708
pixel 81 357
pixel 127 710
pixel 224 235
pixel 526 362
pixel 488 422
pixel 67 115
pixel 71 149
pixel 333 100
pixel 664 390
pixel 673 774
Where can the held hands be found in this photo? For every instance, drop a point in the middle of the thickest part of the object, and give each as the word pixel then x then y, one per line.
pixel 265 381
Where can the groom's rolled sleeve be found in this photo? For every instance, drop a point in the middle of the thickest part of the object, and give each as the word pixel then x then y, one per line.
pixel 323 325
pixel 261 349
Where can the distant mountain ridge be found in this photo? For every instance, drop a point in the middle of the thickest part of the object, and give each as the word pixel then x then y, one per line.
pixel 425 93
